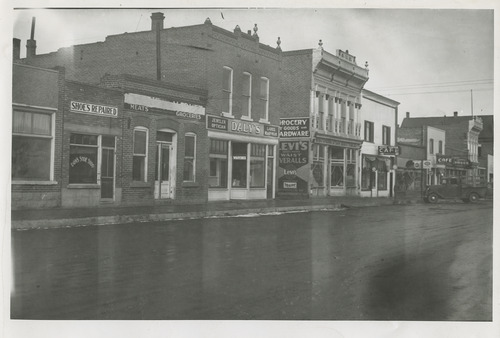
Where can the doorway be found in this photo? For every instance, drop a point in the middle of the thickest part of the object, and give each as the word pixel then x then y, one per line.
pixel 108 167
pixel 165 165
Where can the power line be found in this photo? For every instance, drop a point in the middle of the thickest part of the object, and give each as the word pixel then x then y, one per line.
pixel 441 84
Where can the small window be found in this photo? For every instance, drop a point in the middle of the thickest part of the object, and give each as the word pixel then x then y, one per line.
pixel 189 157
pixel 264 96
pixel 227 90
pixel 440 147
pixel 368 131
pixel 386 135
pixel 431 146
pixel 83 159
pixel 139 164
pixel 246 100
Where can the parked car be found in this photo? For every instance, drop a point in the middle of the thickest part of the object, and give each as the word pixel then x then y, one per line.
pixel 454 188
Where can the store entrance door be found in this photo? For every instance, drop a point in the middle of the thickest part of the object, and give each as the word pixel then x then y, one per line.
pixel 163 172
pixel 108 168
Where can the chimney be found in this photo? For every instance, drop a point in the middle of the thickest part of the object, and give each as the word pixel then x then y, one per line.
pixel 455 113
pixel 31 43
pixel 407 114
pixel 157 21
pixel 16 49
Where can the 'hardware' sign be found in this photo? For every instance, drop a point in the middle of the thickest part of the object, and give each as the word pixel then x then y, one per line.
pixel 295 127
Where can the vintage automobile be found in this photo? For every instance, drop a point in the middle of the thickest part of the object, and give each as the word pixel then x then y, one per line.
pixel 454 188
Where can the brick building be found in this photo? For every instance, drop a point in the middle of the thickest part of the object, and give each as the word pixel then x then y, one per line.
pixel 37 117
pixel 321 137
pixel 462 148
pixel 233 157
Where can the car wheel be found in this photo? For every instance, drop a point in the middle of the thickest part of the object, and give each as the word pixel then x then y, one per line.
pixel 473 197
pixel 433 198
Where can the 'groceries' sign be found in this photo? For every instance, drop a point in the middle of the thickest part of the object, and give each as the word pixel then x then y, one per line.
pixel 295 127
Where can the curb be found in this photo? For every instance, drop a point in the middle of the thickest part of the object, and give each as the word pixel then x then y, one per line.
pixel 143 218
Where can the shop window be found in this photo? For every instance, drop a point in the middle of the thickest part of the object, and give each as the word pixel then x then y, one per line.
pixel 189 157
pixel 368 131
pixel 31 146
pixel 218 164
pixel 386 135
pixel 350 179
pixel 83 159
pixel 246 104
pixel 336 167
pixel 264 96
pixel 239 173
pixel 139 165
pixel 318 164
pixel 227 90
pixel 257 165
pixel 431 146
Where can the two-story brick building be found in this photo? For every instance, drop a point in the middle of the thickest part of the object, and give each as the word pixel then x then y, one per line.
pixel 321 139
pixel 229 137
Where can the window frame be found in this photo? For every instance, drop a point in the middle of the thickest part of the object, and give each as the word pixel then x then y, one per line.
pixel 146 155
pixel 51 136
pixel 370 126
pixel 247 97
pixel 265 100
pixel 386 135
pixel 431 146
pixel 97 147
pixel 194 136
pixel 229 91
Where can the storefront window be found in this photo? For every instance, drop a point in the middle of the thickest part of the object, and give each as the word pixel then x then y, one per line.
pixel 337 167
pixel 218 164
pixel 189 157
pixel 31 146
pixel 140 154
pixel 318 164
pixel 257 165
pixel 350 168
pixel 239 165
pixel 83 159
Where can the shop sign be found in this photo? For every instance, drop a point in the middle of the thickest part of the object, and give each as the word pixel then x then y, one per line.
pixel 417 165
pixel 453 161
pixel 289 185
pixel 90 108
pixel 239 157
pixel 271 131
pixel 241 127
pixel 426 164
pixel 146 104
pixel 295 127
pixel 334 142
pixel 293 154
pixel 388 150
pixel 217 123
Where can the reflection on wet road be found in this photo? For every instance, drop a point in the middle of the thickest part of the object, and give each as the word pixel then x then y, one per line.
pixel 416 262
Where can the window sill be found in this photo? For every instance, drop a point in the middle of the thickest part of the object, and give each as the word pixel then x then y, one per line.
pixel 264 121
pixel 190 184
pixel 218 188
pixel 34 182
pixel 246 118
pixel 136 184
pixel 83 186
pixel 231 116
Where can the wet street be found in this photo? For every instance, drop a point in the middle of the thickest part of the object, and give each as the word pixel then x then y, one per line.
pixel 413 262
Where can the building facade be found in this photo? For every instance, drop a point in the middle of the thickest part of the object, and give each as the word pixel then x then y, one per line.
pixel 461 145
pixel 321 138
pixel 379 148
pixel 231 137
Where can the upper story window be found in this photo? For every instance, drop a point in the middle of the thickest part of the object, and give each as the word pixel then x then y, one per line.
pixel 189 157
pixel 440 147
pixel 227 91
pixel 32 140
pixel 246 104
pixel 264 96
pixel 321 111
pixel 140 154
pixel 386 135
pixel 431 146
pixel 368 131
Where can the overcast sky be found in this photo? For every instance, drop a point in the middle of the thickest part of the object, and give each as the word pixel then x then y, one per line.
pixel 429 60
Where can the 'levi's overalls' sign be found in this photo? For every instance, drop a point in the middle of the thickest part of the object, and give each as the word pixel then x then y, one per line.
pixel 96 109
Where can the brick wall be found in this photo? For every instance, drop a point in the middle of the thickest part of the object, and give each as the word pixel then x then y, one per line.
pixel 297 82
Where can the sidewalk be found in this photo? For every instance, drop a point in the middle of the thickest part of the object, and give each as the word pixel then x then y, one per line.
pixel 69 217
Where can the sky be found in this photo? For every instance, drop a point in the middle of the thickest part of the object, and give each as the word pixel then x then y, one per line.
pixel 432 61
